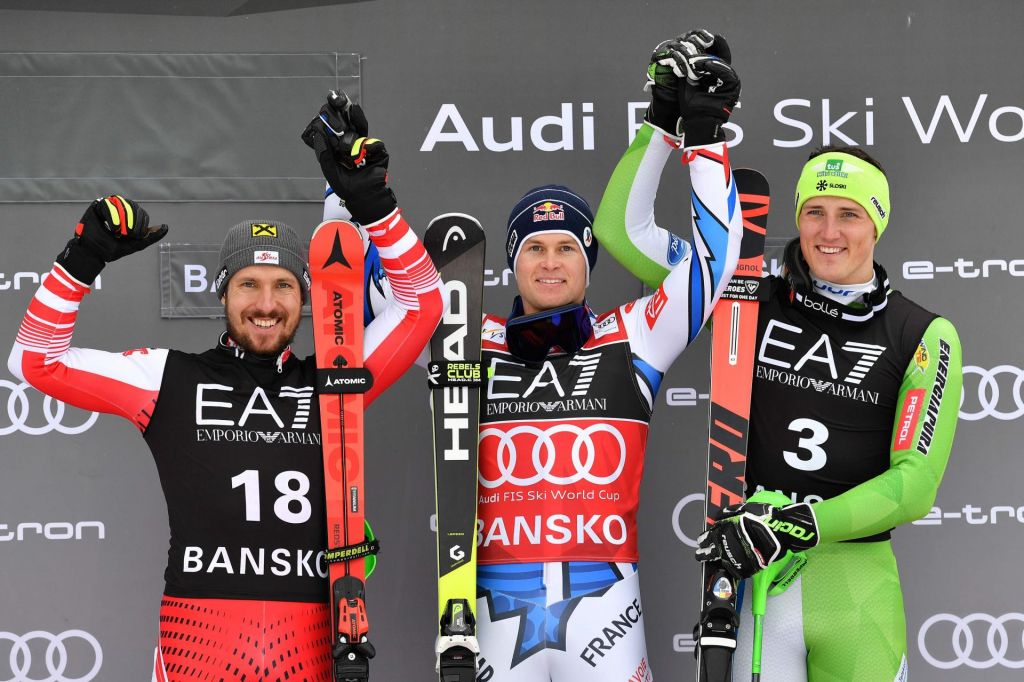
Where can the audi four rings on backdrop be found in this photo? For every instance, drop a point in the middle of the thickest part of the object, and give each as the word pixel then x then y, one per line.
pixel 989 393
pixel 994 650
pixel 55 659
pixel 18 409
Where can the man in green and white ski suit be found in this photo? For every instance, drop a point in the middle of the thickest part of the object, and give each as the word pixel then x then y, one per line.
pixel 855 399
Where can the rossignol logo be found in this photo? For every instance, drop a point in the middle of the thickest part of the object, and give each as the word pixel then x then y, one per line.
pixel 620 626
pixel 931 415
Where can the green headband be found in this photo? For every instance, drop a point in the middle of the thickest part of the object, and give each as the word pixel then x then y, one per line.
pixel 834 174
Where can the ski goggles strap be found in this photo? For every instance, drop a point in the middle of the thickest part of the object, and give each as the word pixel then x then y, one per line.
pixel 530 337
pixel 454 373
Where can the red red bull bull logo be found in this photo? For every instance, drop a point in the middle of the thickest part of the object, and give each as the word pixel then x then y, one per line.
pixel 548 210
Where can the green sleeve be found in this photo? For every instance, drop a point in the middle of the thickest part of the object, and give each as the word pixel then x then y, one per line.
pixel 610 222
pixel 920 450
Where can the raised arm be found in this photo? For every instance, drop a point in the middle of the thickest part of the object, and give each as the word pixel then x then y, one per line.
pixel 356 169
pixel 124 384
pixel 662 325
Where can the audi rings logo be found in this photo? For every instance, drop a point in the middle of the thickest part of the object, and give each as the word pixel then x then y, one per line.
pixel 1000 643
pixel 696 518
pixel 998 393
pixel 19 409
pixel 544 455
pixel 39 656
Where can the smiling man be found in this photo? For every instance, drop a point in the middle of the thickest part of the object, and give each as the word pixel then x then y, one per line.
pixel 565 413
pixel 235 430
pixel 854 406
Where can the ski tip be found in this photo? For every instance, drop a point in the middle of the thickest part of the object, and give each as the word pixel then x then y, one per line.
pixel 335 224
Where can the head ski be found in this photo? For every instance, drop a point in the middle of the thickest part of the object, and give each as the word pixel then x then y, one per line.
pixel 733 344
pixel 336 270
pixel 455 243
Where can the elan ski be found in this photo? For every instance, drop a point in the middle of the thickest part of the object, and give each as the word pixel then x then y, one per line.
pixel 734 333
pixel 456 244
pixel 336 270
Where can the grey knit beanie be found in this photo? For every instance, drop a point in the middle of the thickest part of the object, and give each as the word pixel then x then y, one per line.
pixel 262 242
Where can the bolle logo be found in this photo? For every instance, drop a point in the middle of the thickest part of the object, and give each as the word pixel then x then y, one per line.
pixel 56 530
pixel 547 133
pixel 821 307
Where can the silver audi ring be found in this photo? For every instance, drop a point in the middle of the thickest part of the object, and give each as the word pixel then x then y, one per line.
pixel 994 651
pixel 18 409
pixel 56 658
pixel 544 454
pixel 989 393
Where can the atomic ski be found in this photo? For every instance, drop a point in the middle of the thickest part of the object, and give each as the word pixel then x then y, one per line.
pixel 336 269
pixel 455 243
pixel 734 337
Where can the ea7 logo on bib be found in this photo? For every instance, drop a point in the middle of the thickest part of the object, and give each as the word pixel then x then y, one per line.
pixel 779 348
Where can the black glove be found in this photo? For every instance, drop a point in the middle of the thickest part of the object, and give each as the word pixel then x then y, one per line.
pixel 663 84
pixel 750 536
pixel 712 87
pixel 354 165
pixel 111 228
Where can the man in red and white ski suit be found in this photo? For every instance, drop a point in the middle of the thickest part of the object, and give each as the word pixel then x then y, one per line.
pixel 565 412
pixel 235 430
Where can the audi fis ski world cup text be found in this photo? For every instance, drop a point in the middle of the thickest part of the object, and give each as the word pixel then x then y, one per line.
pixel 804 122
